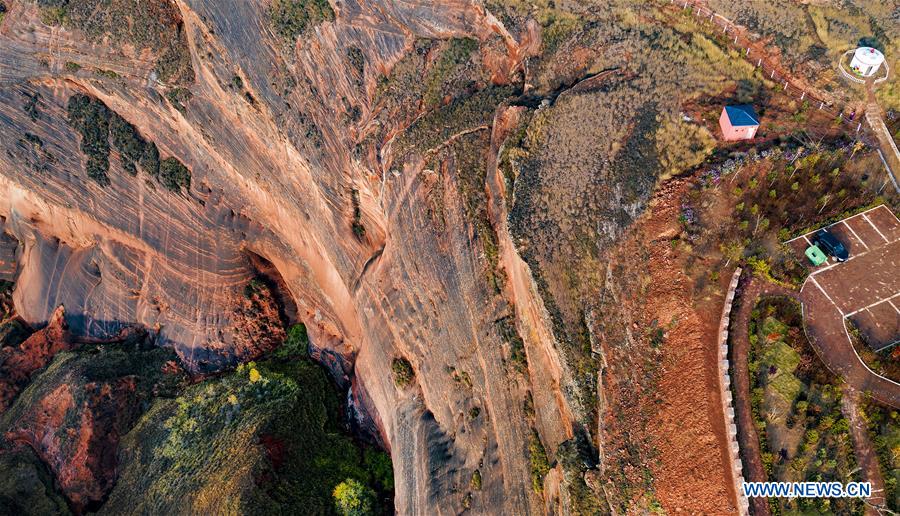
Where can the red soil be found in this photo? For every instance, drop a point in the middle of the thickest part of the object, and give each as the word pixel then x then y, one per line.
pixel 677 418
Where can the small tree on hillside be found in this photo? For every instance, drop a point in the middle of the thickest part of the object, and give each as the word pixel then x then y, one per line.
pixel 353 498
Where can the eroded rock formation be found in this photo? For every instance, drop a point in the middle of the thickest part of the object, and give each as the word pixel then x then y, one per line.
pixel 365 162
pixel 18 361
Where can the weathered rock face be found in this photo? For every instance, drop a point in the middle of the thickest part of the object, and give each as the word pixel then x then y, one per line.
pixel 74 413
pixel 19 362
pixel 387 226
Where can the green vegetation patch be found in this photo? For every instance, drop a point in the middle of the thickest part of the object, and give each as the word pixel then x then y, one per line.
pixel 12 332
pixel 30 106
pixel 576 457
pixel 506 326
pixel 179 98
pixel 6 304
pixel 98 125
pixel 174 175
pixel 437 127
pixel 540 464
pixel 449 69
pixel 403 372
pixel 353 498
pixel 90 117
pixel 265 439
pixel 147 24
pixel 295 345
pixel 796 405
pixel 26 486
pixel 769 195
pixel 358 229
pixel 83 370
pixel 291 18
pixel 884 429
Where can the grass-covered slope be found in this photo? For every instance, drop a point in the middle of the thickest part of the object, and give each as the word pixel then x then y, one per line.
pixel 265 439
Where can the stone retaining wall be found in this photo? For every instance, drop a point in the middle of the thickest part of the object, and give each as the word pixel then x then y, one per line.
pixel 725 392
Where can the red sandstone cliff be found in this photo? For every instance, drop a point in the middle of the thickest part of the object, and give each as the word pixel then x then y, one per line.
pixel 134 252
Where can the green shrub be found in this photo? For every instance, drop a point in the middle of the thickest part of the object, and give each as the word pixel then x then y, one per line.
pixel 403 372
pixel 291 18
pixel 265 439
pixel 540 464
pixel 126 139
pixel 53 16
pixel 475 483
pixel 381 468
pixel 150 160
pixel 357 60
pixel 31 105
pixel 296 344
pixel 174 175
pixel 352 498
pixel 179 97
pixel 97 125
pixel 90 118
pixel 153 25
pixel 358 229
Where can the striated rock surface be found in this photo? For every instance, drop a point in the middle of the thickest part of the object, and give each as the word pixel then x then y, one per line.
pixel 435 183
pixel 272 174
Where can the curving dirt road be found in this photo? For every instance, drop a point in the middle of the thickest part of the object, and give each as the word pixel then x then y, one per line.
pixel 862 448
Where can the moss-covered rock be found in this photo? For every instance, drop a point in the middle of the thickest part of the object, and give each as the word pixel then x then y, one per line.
pixel 73 413
pixel 26 487
pixel 265 439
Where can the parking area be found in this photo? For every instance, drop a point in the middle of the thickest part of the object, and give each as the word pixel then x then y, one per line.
pixel 860 233
pixel 865 288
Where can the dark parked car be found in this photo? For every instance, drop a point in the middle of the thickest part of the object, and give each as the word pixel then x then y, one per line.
pixel 831 245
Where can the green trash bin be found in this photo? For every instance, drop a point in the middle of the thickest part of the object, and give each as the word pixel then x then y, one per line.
pixel 815 255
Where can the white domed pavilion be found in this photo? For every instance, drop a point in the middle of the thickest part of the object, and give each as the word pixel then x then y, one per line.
pixel 866 61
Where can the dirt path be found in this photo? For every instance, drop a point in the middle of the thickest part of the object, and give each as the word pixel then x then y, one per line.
pixel 888 147
pixel 862 448
pixel 748 294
